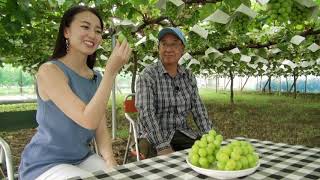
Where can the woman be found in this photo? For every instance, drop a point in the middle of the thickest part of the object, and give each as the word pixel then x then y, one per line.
pixel 72 100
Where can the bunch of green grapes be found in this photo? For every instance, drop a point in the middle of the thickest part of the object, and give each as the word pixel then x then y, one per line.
pixel 239 24
pixel 280 9
pixel 196 42
pixel 171 10
pixel 203 151
pixel 299 14
pixel 236 155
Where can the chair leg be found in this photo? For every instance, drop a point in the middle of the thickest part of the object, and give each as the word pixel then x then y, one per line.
pixel 5 150
pixel 127 147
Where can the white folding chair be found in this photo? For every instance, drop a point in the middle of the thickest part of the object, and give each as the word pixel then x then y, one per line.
pixel 6 158
pixel 129 109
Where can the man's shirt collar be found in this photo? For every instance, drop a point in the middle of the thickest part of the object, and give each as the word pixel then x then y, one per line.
pixel 163 70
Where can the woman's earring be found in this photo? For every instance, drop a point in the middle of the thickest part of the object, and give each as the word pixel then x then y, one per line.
pixel 67 45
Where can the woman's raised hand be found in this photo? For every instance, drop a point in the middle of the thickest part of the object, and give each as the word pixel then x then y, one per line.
pixel 119 56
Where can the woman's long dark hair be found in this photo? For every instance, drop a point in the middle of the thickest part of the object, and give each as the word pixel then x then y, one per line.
pixel 60 49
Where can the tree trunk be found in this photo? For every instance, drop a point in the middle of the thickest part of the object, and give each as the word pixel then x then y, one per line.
pixel 257 86
pixel 21 83
pixel 287 84
pixel 217 83
pixel 295 77
pixel 225 87
pixel 260 83
pixel 280 84
pixel 269 87
pixel 265 85
pixel 231 86
pixel 305 84
pixel 245 83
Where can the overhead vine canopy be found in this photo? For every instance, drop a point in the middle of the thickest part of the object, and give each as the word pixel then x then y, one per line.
pixel 262 37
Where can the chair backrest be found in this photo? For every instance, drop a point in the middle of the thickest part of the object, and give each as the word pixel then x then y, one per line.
pixel 6 158
pixel 129 104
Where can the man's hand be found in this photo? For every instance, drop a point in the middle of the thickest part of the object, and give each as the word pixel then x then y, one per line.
pixel 165 151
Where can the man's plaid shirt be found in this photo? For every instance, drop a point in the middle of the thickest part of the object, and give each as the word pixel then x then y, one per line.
pixel 164 102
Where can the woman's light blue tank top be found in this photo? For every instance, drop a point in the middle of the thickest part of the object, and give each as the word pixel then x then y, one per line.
pixel 58 138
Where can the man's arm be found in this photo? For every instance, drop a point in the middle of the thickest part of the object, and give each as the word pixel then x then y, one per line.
pixel 199 112
pixel 147 116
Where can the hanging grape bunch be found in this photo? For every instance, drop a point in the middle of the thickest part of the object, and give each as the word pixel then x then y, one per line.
pixel 171 10
pixel 239 24
pixel 279 10
pixel 196 42
pixel 299 14
pixel 149 45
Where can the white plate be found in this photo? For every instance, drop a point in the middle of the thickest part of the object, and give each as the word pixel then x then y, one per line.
pixel 223 174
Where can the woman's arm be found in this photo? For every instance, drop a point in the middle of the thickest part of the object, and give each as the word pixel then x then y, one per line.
pixel 53 83
pixel 104 143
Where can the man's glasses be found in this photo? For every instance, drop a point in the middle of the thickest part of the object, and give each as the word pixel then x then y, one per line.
pixel 174 46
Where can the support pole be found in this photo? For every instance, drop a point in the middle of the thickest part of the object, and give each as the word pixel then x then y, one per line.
pixel 114 120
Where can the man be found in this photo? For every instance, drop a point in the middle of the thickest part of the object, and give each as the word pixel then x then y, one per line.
pixel 165 95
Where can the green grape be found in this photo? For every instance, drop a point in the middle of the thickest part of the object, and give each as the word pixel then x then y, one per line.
pixel 202 152
pixel 212 132
pixel 211 159
pixel 210 138
pixel 251 160
pixel 219 137
pixel 245 150
pixel 194 157
pixel 221 165
pixel 237 150
pixel 211 145
pixel 210 150
pixel 226 149
pixel 235 155
pixel 204 138
pixel 195 149
pixel 217 142
pixel 230 165
pixel 121 37
pixel 223 157
pixel 204 162
pixel 244 162
pixel 203 144
pixel 238 165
